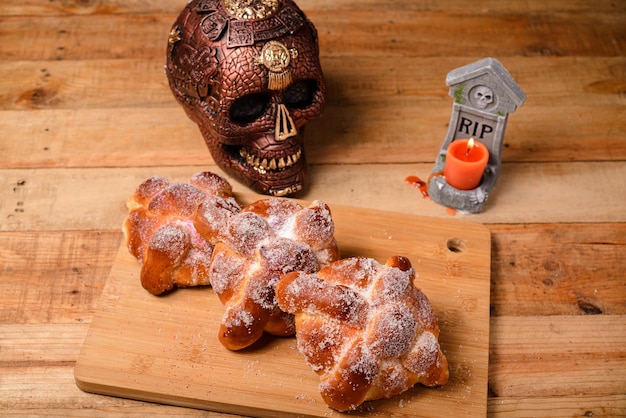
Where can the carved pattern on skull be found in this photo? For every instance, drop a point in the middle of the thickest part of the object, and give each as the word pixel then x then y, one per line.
pixel 251 84
pixel 482 97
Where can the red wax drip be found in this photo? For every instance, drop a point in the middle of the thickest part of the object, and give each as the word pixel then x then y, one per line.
pixel 419 183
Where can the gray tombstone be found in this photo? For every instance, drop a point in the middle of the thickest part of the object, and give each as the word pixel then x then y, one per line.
pixel 484 94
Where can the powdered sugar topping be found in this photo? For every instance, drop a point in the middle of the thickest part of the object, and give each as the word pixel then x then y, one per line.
pixel 393 332
pixel 263 234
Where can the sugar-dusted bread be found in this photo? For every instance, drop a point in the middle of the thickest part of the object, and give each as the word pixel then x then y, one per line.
pixel 159 229
pixel 365 329
pixel 266 240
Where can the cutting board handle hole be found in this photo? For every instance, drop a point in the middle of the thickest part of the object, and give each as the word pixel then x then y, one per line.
pixel 456 245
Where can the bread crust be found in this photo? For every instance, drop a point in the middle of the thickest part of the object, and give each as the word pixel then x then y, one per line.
pixel 160 231
pixel 266 240
pixel 365 329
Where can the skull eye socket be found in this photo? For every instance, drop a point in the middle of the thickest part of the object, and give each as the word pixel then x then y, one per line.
pixel 300 94
pixel 247 109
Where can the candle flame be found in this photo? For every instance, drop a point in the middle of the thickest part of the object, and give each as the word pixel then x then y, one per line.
pixel 470 145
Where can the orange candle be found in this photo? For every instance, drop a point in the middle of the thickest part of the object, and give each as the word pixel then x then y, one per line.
pixel 466 160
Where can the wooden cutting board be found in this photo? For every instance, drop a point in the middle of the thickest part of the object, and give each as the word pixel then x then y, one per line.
pixel 165 349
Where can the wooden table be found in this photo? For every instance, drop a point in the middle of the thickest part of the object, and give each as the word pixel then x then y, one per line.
pixel 86 115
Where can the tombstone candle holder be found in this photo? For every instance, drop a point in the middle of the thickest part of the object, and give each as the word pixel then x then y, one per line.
pixel 484 94
pixel 248 73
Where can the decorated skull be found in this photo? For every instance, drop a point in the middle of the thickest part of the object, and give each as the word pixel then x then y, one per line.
pixel 483 97
pixel 248 73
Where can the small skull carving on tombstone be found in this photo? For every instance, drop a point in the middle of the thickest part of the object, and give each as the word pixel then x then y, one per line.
pixel 483 97
pixel 248 73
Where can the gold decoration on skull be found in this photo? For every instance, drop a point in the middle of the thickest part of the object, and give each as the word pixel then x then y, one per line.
pixel 285 128
pixel 174 36
pixel 251 9
pixel 276 57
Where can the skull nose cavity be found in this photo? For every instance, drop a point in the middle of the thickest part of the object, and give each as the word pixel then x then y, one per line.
pixel 285 128
pixel 264 165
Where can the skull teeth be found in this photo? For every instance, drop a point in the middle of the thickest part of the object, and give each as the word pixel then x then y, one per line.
pixel 264 165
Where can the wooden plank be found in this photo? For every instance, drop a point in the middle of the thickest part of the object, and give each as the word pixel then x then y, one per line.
pixel 557 356
pixel 548 407
pixel 101 137
pixel 559 406
pixel 83 84
pixel 480 7
pixel 64 8
pixel 22 344
pixel 138 136
pixel 39 359
pixel 34 355
pixel 576 269
pixel 566 269
pixel 38 352
pixel 94 199
pixel 124 83
pixel 35 7
pixel 424 34
pixel 150 348
pixel 100 36
pixel 406 131
pixel 354 33
pixel 47 386
pixel 65 284
pixel 525 193
pixel 142 410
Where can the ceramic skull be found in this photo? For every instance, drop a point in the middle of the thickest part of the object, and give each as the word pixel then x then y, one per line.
pixel 248 73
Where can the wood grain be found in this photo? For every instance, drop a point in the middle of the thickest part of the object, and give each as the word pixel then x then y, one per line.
pixel 129 82
pixel 72 199
pixel 561 406
pixel 150 348
pixel 125 113
pixel 100 34
pixel 34 7
pixel 568 269
pixel 523 363
pixel 85 115
pixel 66 285
pixel 141 137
